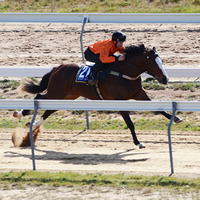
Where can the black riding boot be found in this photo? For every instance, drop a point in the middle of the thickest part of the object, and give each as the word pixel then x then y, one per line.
pixel 94 71
pixel 91 80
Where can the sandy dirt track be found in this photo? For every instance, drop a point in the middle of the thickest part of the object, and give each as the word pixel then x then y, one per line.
pixel 105 151
pixel 52 44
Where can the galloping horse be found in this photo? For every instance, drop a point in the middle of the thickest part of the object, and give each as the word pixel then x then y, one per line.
pixel 123 82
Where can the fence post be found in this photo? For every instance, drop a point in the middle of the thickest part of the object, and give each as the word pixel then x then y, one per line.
pixel 31 133
pixel 85 19
pixel 169 136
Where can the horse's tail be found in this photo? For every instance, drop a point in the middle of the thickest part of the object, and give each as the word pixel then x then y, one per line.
pixel 29 86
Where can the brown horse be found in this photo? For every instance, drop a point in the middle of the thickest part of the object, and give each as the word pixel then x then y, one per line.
pixel 123 82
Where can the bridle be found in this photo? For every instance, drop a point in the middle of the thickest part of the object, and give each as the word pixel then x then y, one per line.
pixel 149 65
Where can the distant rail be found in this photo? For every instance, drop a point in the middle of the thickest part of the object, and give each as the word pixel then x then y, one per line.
pixel 100 17
pixel 39 72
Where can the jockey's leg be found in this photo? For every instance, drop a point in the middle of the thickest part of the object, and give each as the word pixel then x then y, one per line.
pixel 92 57
pixel 94 71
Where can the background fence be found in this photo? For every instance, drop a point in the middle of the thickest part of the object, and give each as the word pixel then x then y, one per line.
pixel 100 17
pixel 39 72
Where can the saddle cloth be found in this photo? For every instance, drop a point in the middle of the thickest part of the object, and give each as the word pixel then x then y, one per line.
pixel 82 74
pixel 84 71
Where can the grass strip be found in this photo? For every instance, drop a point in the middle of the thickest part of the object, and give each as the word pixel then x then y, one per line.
pixel 57 179
pixel 100 6
pixel 141 123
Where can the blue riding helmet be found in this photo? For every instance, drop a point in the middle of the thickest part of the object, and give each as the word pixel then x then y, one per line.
pixel 118 36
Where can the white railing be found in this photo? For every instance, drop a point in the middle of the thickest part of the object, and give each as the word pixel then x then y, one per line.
pixel 100 17
pixel 114 105
pixel 40 72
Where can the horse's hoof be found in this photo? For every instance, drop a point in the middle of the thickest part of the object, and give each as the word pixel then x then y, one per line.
pixel 15 114
pixel 177 120
pixel 28 124
pixel 141 146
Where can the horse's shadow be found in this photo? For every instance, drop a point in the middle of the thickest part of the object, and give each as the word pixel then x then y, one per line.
pixel 82 158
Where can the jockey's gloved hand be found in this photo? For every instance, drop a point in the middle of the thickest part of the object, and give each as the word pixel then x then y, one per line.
pixel 121 58
pixel 116 58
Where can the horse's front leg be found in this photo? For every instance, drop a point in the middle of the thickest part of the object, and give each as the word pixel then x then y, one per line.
pixel 142 95
pixel 127 119
pixel 168 116
pixel 21 113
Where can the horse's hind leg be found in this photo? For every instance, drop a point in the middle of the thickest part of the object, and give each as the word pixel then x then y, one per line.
pixel 23 112
pixel 38 123
pixel 46 114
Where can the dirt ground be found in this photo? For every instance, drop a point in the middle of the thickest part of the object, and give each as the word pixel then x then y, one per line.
pixel 47 45
pixel 102 152
pixel 52 44
pixel 105 151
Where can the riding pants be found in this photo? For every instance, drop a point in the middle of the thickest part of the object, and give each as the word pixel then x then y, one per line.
pixel 92 57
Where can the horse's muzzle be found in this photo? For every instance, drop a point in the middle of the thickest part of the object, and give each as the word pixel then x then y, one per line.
pixel 163 80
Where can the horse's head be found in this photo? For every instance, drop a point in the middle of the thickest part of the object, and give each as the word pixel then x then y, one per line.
pixel 146 60
pixel 155 67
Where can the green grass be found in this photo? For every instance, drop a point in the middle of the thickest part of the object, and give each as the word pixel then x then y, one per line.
pixel 102 121
pixel 101 6
pixel 5 84
pixel 151 84
pixel 57 179
pixel 185 86
pixel 147 122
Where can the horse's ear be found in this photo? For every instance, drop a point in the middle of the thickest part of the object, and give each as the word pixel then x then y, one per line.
pixel 143 46
pixel 154 48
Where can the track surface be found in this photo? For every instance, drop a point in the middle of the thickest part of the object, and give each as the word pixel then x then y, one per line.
pixel 105 151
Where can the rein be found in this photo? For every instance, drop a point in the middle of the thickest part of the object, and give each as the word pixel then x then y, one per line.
pixel 133 78
pixel 121 75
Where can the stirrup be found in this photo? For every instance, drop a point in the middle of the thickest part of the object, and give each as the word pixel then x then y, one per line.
pixel 91 82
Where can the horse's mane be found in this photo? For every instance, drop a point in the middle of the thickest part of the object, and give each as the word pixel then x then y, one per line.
pixel 134 49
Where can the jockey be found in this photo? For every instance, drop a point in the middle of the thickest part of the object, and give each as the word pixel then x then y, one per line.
pixel 102 52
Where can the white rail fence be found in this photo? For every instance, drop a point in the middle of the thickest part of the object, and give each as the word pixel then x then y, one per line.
pixel 39 72
pixel 100 17
pixel 114 105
